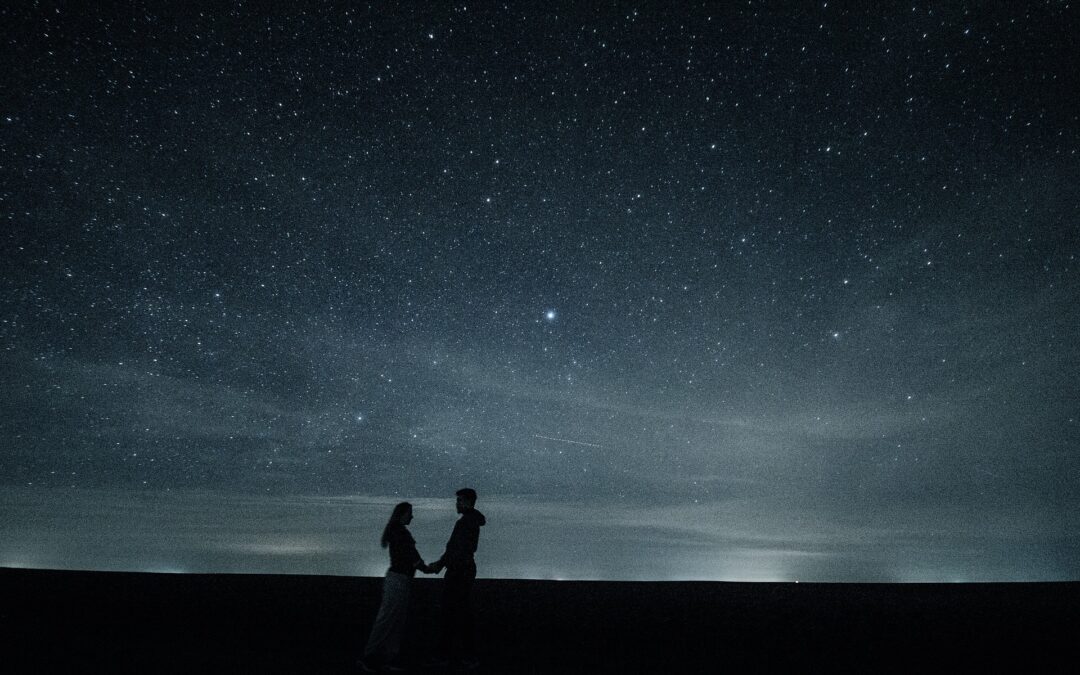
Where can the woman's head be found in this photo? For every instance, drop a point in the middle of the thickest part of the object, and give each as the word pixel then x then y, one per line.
pixel 402 515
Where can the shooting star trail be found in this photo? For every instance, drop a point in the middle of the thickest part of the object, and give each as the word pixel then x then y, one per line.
pixel 567 440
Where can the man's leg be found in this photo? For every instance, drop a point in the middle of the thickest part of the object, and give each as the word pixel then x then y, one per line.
pixel 449 616
pixel 457 617
pixel 465 617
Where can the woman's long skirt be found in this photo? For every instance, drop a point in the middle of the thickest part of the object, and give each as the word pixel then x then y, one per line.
pixel 385 639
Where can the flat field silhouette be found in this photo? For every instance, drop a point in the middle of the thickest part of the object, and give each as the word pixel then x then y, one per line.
pixel 145 623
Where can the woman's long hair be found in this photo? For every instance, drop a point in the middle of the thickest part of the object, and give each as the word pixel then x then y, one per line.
pixel 399 512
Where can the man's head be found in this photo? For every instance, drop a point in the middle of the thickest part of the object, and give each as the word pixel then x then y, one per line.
pixel 466 499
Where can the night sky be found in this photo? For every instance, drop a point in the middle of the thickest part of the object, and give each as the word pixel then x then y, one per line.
pixel 732 291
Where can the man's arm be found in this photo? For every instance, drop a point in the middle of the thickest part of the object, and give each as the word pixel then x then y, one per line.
pixel 450 553
pixel 437 566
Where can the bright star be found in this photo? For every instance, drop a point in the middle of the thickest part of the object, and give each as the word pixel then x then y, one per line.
pixel 550 315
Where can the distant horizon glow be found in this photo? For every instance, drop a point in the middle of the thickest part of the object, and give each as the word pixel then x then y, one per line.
pixel 695 291
pixel 201 532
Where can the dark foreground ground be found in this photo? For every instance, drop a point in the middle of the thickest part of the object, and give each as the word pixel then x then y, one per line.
pixel 147 623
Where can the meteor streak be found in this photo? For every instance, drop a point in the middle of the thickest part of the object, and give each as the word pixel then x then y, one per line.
pixel 567 440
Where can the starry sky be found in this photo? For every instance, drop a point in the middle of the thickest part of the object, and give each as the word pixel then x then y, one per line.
pixel 732 291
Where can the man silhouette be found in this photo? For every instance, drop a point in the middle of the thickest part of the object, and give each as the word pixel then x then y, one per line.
pixel 460 572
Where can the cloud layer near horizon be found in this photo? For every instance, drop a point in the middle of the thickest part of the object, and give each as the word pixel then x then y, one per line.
pixel 739 540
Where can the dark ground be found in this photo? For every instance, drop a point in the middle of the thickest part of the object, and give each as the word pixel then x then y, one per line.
pixel 145 623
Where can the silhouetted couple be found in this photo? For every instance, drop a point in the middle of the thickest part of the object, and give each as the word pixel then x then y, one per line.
pixel 384 643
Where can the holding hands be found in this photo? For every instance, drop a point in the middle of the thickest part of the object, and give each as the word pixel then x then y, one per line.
pixel 430 569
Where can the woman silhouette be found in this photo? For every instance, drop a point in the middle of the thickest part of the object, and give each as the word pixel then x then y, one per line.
pixel 385 640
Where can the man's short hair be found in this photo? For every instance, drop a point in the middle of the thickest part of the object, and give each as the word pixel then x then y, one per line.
pixel 469 494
